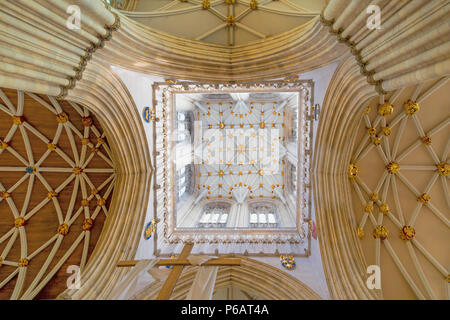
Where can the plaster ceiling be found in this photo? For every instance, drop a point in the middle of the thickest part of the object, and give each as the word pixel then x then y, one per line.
pixel 41 146
pixel 416 267
pixel 225 22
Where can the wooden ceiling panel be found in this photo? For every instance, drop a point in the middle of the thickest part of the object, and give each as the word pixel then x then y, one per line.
pixel 28 194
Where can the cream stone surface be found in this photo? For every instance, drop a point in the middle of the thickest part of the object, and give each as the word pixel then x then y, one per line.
pixel 110 63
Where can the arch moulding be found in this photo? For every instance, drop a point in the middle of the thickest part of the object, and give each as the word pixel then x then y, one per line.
pixel 252 276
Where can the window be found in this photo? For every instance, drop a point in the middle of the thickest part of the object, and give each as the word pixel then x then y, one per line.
pixel 214 216
pixel 294 124
pixel 293 177
pixel 263 216
pixel 183 127
pixel 183 179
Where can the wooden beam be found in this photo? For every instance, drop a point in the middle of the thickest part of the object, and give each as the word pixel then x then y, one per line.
pixel 185 262
pixel 171 280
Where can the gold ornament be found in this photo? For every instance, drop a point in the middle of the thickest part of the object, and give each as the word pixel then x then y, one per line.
pixel 407 233
pixel 386 131
pixel 100 141
pixel 254 4
pixel 411 107
pixel 262 125
pixel 23 262
pixel 63 229
pixel 352 170
pixel 152 114
pixel 385 109
pixel 426 140
pixel 380 232
pixel 84 202
pixel 371 131
pixel 373 196
pixel 77 170
pixel 51 146
pixel 87 224
pixel 4 194
pixel 368 208
pixel 3 145
pixel 221 173
pixel 52 194
pixel 230 21
pixel 221 125
pixel 393 167
pixel 85 141
pixel 19 222
pixel 62 117
pixel 94 191
pixel 424 198
pixel 376 141
pixel 443 168
pixel 360 232
pixel 206 4
pixel 384 208
pixel 18 120
pixel 101 202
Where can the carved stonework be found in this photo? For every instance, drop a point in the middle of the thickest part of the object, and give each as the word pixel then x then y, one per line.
pixel 165 204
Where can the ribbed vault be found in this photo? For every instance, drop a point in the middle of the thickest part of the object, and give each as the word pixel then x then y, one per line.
pixel 56 181
pixel 400 189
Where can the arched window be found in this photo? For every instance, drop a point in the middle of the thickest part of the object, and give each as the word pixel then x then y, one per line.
pixel 263 215
pixel 214 215
pixel 183 127
pixel 294 134
pixel 293 177
pixel 183 178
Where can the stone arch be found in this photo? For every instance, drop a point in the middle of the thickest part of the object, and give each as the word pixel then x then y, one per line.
pixel 260 279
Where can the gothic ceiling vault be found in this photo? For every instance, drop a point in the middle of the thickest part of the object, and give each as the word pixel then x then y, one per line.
pixel 270 127
pixel 82 172
pixel 229 22
pixel 399 172
pixel 56 181
pixel 236 179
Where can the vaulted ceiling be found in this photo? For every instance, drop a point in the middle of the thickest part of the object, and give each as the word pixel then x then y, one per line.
pixel 246 169
pixel 56 181
pixel 400 190
pixel 225 22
